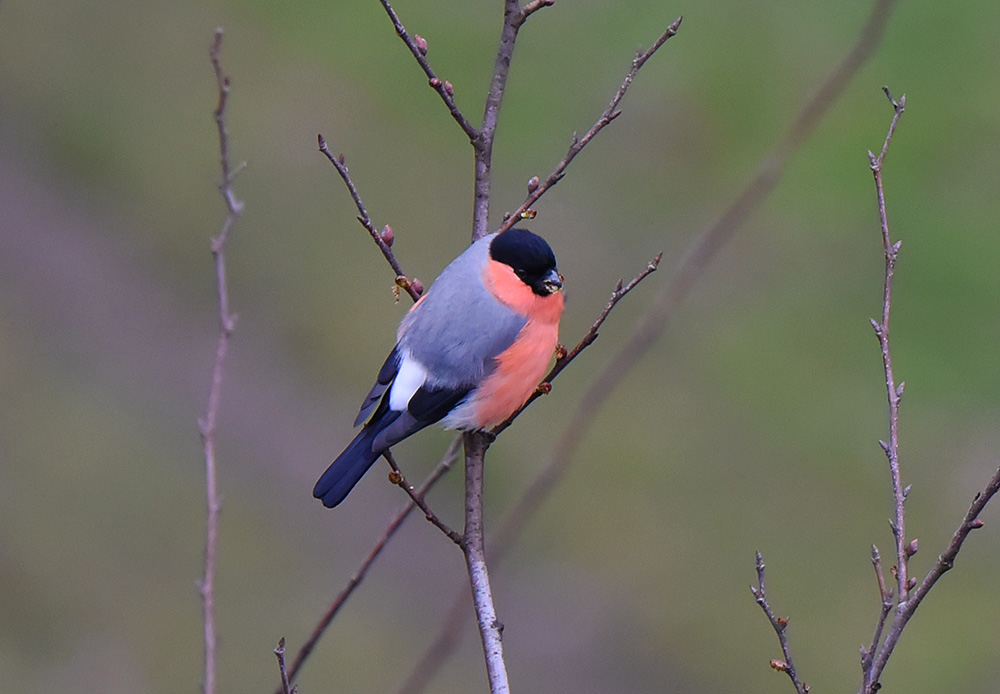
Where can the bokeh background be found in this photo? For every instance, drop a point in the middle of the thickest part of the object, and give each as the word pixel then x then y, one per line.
pixel 752 425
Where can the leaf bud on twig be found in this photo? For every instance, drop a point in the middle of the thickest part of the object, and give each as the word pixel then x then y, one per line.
pixel 532 184
pixel 418 286
pixel 421 43
pixel 448 88
pixel 387 235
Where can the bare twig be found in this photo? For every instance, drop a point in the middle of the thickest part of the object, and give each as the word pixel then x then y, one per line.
pixel 410 286
pixel 891 448
pixel 780 625
pixel 473 545
pixel 418 47
pixel 867 654
pixel 227 322
pixel 578 143
pixel 397 478
pixel 280 653
pixel 450 456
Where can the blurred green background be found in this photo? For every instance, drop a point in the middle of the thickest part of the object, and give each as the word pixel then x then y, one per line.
pixel 753 424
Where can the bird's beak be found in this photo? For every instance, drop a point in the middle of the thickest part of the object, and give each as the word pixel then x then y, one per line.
pixel 553 281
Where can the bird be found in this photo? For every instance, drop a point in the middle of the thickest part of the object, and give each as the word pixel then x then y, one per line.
pixel 468 354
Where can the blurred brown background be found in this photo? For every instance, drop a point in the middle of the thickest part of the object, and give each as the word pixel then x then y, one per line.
pixel 753 424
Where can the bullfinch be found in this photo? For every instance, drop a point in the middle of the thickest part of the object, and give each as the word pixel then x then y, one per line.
pixel 468 354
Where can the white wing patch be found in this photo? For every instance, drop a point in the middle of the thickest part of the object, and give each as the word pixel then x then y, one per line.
pixel 409 378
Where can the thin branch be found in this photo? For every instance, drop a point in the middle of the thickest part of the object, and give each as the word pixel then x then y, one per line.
pixel 868 654
pixel 397 478
pixel 382 239
pixel 780 625
pixel 418 47
pixel 473 545
pixel 450 456
pixel 577 144
pixel 227 323
pixel 513 18
pixel 895 394
pixel 280 653
pixel 945 562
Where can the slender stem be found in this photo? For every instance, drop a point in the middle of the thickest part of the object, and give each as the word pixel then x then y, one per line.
pixel 780 626
pixel 441 87
pixel 513 18
pixel 397 478
pixel 891 448
pixel 279 652
pixel 474 547
pixel 408 285
pixel 578 143
pixel 227 323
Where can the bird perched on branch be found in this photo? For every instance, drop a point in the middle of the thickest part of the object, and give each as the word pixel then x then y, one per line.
pixel 468 354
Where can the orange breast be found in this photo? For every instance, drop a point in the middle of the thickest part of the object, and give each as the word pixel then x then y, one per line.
pixel 521 367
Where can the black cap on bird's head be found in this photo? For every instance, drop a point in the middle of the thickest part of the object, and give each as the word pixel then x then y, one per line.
pixel 531 259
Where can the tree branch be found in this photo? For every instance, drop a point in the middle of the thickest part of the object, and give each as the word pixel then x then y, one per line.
pixel 474 547
pixel 537 190
pixel 383 239
pixel 780 625
pixel 418 47
pixel 227 323
pixel 895 394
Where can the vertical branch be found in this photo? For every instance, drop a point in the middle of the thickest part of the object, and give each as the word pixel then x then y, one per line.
pixel 895 393
pixel 473 545
pixel 513 18
pixel 227 322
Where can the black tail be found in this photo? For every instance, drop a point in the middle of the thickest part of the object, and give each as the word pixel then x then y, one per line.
pixel 349 467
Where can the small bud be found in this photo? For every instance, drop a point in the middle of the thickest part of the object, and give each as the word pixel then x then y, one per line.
pixel 976 523
pixel 421 43
pixel 435 82
pixel 418 286
pixel 395 477
pixel 779 665
pixel 387 235
pixel 544 388
pixel 340 159
pixel 449 90
pixel 529 214
pixel 911 548
pixel 532 184
pixel 561 352
pixel 782 621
